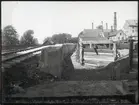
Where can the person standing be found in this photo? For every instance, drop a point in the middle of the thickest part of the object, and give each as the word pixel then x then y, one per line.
pixel 95 48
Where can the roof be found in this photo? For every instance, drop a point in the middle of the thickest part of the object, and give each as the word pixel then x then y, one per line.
pixel 132 22
pixel 48 42
pixel 90 33
pixel 93 35
pixel 114 33
pixel 133 25
pixel 106 34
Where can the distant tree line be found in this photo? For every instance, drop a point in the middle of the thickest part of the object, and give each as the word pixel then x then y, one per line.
pixel 10 37
pixel 60 38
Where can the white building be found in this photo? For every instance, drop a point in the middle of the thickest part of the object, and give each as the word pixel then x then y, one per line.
pixel 117 35
pixel 130 28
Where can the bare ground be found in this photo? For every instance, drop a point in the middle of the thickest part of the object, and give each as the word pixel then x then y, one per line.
pixel 84 80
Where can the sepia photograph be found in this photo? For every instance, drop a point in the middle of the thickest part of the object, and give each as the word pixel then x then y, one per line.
pixel 69 52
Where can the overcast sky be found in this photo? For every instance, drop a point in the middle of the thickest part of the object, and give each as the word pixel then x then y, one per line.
pixel 48 18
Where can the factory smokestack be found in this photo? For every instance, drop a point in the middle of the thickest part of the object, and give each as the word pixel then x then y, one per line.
pixel 106 26
pixel 115 21
pixel 102 25
pixel 92 26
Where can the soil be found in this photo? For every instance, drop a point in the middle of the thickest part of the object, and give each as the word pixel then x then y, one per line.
pixel 73 88
pixel 37 83
pixel 24 74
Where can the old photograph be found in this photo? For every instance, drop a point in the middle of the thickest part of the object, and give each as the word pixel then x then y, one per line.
pixel 69 52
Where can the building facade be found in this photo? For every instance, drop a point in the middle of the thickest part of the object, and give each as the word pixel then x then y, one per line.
pixel 117 35
pixel 130 28
pixel 90 37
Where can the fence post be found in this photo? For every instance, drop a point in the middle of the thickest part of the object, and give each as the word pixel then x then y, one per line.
pixel 77 53
pixel 90 45
pixel 81 54
pixel 109 46
pixel 130 53
pixel 80 49
pixel 114 51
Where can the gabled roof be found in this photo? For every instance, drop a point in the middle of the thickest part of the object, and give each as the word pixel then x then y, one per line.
pixel 91 33
pixel 94 35
pixel 114 33
pixel 48 42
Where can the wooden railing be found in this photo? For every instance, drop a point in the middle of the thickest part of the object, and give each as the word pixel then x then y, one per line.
pixel 80 51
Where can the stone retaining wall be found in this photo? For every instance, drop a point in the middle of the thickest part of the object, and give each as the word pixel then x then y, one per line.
pixel 118 67
pixel 57 61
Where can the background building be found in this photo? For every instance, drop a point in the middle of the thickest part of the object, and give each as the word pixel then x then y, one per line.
pixel 117 35
pixel 130 28
pixel 89 37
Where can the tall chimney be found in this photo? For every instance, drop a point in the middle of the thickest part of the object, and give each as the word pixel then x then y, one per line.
pixel 115 21
pixel 102 25
pixel 92 26
pixel 106 26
